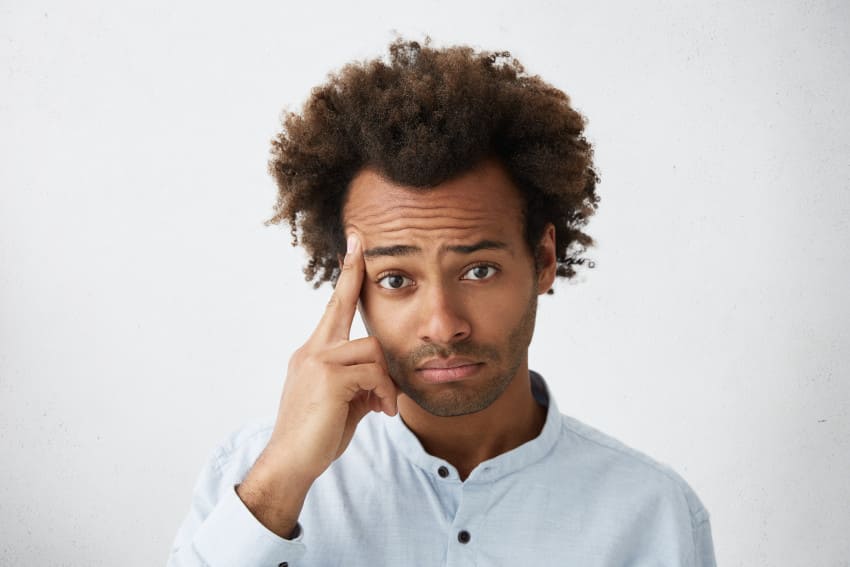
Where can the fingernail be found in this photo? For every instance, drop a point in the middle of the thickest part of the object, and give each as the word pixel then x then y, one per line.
pixel 351 245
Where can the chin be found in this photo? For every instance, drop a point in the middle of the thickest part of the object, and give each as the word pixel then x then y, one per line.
pixel 458 399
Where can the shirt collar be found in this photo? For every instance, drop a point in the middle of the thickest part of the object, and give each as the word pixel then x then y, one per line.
pixel 408 445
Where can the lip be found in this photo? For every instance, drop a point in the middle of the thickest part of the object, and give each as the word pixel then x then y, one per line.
pixel 442 370
pixel 443 363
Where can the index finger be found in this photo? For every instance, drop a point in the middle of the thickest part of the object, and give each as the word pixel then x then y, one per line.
pixel 339 314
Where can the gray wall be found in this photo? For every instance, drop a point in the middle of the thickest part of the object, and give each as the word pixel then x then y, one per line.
pixel 145 311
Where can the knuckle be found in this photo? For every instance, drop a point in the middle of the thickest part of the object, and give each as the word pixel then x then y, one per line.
pixel 317 368
pixel 373 344
pixel 377 351
pixel 304 361
pixel 297 358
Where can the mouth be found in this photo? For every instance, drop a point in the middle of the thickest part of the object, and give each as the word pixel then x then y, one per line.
pixel 442 370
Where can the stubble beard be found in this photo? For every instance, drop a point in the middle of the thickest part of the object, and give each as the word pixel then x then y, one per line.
pixel 456 399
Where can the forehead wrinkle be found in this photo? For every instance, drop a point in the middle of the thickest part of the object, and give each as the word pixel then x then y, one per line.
pixel 396 217
pixel 395 224
pixel 441 210
pixel 390 215
pixel 437 203
pixel 460 234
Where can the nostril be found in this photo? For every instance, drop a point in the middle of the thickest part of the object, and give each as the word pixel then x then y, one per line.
pixel 441 321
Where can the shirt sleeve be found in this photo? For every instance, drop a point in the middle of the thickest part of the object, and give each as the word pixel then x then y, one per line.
pixel 220 531
pixel 703 544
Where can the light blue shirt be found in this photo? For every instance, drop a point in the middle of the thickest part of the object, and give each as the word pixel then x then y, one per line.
pixel 571 496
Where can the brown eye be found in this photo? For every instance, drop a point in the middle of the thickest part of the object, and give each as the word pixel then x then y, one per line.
pixel 481 272
pixel 394 281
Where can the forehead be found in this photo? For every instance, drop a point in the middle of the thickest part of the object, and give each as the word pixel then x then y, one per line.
pixel 481 202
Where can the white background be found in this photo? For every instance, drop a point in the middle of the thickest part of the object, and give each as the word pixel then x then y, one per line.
pixel 145 311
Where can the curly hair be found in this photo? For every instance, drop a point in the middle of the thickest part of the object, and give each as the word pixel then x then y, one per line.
pixel 420 118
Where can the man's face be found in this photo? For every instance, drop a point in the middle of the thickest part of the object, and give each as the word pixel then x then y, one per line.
pixel 450 289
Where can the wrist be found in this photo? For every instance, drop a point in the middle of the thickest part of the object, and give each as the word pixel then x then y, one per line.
pixel 277 467
pixel 274 493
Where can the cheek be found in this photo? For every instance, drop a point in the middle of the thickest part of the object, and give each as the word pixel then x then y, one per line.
pixel 496 317
pixel 384 319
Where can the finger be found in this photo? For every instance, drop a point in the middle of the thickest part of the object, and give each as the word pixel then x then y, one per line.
pixel 371 377
pixel 375 403
pixel 339 313
pixel 363 404
pixel 358 351
pixel 357 411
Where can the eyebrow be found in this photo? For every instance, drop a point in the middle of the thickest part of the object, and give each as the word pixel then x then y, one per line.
pixel 407 250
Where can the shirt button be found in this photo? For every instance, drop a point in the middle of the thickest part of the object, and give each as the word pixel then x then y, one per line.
pixel 463 536
pixel 284 564
pixel 443 472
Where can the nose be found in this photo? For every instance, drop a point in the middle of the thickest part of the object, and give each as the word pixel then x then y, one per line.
pixel 441 320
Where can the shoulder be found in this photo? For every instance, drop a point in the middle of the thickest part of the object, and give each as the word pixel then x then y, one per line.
pixel 628 473
pixel 237 452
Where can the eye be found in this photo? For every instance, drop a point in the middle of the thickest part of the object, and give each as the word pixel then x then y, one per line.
pixel 394 281
pixel 480 272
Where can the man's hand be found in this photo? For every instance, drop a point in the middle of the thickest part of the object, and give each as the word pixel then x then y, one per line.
pixel 331 383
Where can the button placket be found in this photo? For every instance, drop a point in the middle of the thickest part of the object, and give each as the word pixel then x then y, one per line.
pixel 464 541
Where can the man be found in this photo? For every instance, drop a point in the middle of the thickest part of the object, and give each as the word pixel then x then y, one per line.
pixel 441 191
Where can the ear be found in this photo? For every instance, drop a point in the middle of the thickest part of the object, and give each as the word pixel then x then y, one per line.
pixel 545 259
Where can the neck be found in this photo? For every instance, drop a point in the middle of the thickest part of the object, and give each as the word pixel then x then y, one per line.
pixel 466 441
